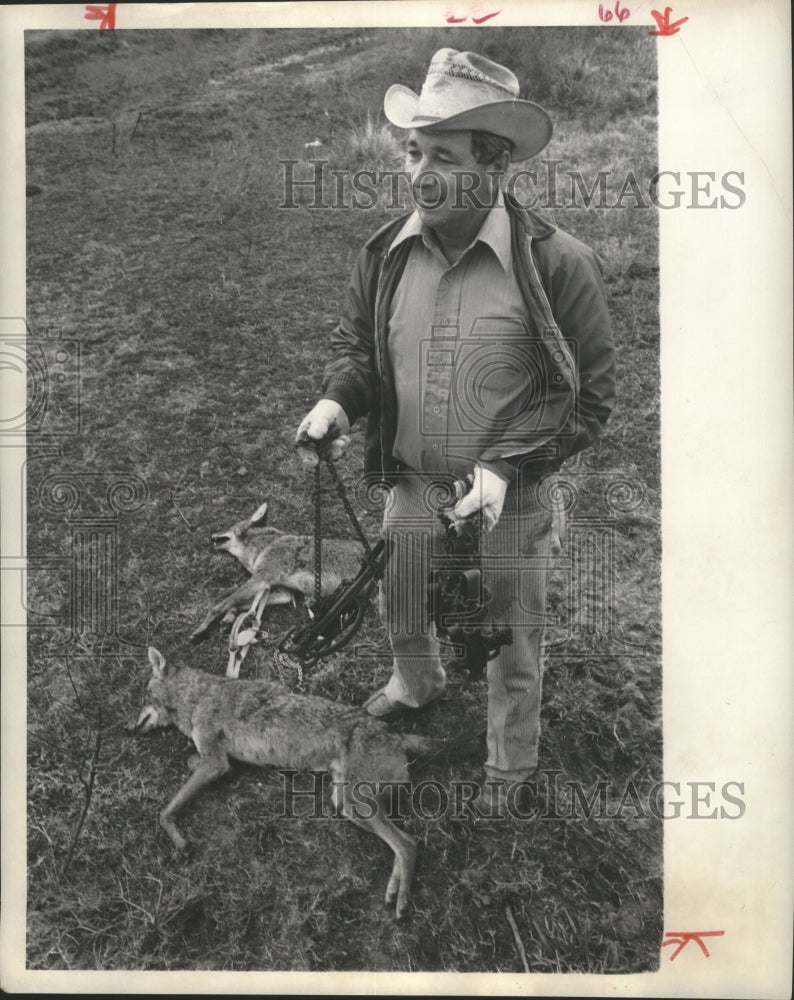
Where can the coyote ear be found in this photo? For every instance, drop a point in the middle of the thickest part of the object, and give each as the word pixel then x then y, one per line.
pixel 157 661
pixel 259 517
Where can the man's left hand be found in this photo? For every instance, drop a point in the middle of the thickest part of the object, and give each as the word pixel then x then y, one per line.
pixel 487 494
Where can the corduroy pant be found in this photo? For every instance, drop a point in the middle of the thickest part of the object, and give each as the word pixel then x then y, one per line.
pixel 515 559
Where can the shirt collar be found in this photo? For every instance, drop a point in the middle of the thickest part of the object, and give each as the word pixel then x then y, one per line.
pixel 494 232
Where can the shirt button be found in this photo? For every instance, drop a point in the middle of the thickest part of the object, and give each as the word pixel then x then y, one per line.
pixel 435 447
pixel 436 409
pixel 450 276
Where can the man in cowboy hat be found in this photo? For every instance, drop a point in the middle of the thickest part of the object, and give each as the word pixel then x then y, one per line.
pixel 477 340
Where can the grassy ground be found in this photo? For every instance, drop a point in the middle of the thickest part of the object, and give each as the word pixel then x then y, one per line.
pixel 203 311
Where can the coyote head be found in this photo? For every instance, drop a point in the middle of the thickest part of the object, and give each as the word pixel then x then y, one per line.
pixel 159 708
pixel 246 539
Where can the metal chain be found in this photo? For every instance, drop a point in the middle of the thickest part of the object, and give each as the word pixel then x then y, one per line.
pixel 348 506
pixel 318 535
pixel 284 660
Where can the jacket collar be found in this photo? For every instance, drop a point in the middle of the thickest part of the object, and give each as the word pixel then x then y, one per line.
pixel 535 225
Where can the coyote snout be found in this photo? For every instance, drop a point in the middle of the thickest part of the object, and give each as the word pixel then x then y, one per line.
pixel 260 722
pixel 147 720
pixel 281 566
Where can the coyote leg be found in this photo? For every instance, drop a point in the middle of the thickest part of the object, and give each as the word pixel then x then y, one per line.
pixel 205 772
pixel 393 888
pixel 244 594
pixel 404 847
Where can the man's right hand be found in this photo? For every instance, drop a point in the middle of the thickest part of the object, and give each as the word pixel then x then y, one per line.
pixel 326 422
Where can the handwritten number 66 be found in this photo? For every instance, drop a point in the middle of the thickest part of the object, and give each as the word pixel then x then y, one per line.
pixel 620 14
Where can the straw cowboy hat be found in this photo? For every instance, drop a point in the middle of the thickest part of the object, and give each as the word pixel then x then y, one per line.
pixel 464 90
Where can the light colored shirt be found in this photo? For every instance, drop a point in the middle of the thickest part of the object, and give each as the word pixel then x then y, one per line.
pixel 460 349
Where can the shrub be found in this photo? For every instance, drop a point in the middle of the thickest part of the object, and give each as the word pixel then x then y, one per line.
pixel 372 146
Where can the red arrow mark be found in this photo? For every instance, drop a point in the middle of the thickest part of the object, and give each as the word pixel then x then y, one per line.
pixel 666 26
pixel 682 939
pixel 104 13
pixel 485 17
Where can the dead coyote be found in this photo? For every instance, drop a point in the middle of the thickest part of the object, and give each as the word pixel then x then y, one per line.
pixel 260 722
pixel 281 566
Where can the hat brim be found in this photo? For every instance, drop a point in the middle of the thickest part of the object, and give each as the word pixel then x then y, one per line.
pixel 526 124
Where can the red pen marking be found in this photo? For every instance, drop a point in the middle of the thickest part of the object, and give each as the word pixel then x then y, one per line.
pixel 682 939
pixel 620 13
pixel 483 17
pixel 476 15
pixel 104 13
pixel 666 26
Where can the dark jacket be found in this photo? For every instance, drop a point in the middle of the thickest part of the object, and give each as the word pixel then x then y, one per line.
pixel 564 292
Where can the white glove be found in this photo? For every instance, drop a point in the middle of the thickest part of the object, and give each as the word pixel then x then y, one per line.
pixel 487 494
pixel 326 422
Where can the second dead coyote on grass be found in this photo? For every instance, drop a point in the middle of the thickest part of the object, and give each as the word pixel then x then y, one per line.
pixel 260 722
pixel 281 565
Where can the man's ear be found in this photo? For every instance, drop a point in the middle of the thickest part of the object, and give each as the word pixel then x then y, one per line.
pixel 502 162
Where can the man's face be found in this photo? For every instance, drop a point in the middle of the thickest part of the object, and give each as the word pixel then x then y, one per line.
pixel 449 188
